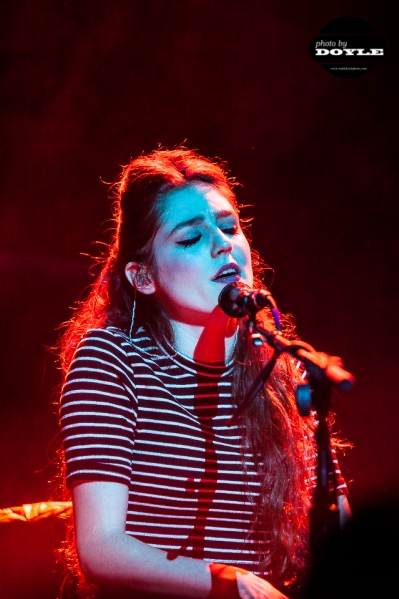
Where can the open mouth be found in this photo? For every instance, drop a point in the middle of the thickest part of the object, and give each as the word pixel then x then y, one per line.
pixel 228 274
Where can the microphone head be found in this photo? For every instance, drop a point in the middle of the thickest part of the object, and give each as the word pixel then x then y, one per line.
pixel 228 300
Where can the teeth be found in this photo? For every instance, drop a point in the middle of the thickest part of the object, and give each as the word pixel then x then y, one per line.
pixel 226 273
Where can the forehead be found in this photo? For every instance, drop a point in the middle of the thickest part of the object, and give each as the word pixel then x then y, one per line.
pixel 195 200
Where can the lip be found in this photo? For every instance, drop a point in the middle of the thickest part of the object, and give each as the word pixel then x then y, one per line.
pixel 232 278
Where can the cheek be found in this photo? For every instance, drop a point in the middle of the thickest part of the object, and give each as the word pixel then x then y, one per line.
pixel 171 270
pixel 245 256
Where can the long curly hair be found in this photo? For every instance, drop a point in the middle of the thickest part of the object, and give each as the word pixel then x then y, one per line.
pixel 279 438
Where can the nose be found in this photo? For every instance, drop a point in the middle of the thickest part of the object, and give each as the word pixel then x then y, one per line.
pixel 221 244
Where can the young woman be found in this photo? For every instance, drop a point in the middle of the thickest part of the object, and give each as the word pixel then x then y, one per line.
pixel 169 499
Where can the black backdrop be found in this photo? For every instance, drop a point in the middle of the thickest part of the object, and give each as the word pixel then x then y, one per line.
pixel 87 85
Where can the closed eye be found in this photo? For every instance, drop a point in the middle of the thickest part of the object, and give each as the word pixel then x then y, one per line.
pixel 189 242
pixel 230 230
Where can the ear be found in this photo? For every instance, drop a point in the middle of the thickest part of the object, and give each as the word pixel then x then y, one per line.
pixel 140 278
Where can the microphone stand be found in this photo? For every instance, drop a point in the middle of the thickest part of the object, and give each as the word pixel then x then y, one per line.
pixel 323 373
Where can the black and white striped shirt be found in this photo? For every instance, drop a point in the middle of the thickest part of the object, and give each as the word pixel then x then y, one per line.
pixel 148 417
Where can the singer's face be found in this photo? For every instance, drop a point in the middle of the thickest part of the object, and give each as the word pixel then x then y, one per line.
pixel 198 249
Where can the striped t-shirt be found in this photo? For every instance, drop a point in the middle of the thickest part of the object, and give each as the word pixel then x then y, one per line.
pixel 148 417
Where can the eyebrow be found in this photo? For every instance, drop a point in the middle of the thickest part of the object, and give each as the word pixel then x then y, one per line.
pixel 200 219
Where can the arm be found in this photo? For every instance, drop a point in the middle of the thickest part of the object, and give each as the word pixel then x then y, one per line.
pixel 108 555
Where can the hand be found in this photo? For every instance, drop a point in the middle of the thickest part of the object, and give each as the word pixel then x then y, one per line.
pixel 229 582
pixel 253 587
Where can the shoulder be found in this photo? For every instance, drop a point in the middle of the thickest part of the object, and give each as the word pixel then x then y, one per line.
pixel 113 344
pixel 101 368
pixel 108 341
pixel 100 351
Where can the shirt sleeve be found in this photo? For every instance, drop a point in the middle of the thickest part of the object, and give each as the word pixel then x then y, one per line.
pixel 98 411
pixel 341 486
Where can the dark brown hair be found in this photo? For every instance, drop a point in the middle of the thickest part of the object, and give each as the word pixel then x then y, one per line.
pixel 280 440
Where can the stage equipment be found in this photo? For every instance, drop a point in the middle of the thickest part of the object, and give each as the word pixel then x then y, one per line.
pixel 323 373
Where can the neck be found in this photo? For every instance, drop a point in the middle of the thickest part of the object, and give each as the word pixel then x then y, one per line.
pixel 212 343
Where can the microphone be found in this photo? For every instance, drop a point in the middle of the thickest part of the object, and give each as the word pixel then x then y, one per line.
pixel 239 300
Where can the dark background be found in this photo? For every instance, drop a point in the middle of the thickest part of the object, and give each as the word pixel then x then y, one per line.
pixel 85 86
